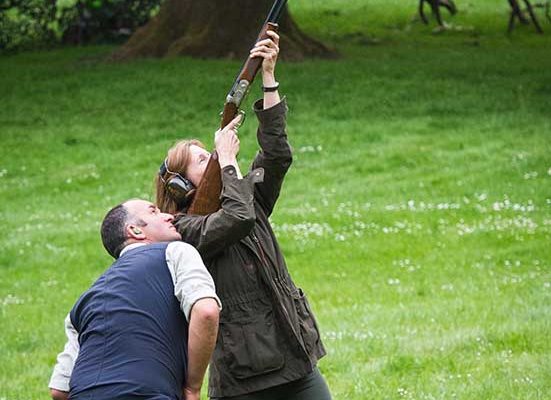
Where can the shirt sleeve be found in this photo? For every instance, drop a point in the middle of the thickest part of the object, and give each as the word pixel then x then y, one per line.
pixel 192 281
pixel 66 359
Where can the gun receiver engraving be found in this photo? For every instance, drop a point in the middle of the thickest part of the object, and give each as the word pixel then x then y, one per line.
pixel 238 92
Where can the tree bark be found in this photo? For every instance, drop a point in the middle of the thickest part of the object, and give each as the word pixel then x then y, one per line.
pixel 215 29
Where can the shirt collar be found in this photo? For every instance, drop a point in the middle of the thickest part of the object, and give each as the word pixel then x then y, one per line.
pixel 130 247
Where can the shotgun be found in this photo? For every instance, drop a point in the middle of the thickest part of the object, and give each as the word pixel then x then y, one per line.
pixel 207 195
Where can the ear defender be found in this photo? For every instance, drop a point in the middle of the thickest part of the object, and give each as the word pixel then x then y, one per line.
pixel 178 187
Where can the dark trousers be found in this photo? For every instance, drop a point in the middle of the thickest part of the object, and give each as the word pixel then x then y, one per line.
pixel 311 387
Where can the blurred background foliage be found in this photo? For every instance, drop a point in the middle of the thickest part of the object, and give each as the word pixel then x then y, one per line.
pixel 27 24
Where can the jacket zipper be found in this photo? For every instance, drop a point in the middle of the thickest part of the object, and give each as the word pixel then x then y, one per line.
pixel 263 257
pixel 286 314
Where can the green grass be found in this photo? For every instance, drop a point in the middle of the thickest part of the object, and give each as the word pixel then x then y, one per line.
pixel 417 214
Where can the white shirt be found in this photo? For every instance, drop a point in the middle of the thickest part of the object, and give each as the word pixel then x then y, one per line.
pixel 192 282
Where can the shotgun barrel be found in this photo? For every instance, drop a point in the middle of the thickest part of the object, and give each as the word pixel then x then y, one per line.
pixel 250 67
pixel 207 196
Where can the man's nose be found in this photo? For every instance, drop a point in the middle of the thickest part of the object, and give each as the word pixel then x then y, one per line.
pixel 168 217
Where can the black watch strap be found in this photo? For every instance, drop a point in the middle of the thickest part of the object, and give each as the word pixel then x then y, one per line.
pixel 270 88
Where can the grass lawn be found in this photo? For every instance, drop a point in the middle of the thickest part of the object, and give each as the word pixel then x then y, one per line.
pixel 417 214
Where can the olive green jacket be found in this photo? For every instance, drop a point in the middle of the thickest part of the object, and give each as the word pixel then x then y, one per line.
pixel 268 335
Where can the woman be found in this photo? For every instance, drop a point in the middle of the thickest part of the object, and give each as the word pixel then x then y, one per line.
pixel 268 343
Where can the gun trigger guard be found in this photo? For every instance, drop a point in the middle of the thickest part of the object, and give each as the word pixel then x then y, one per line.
pixel 243 116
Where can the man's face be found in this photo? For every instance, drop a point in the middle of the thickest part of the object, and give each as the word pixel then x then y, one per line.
pixel 198 161
pixel 158 226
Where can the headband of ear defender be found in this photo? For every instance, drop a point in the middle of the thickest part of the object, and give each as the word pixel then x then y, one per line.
pixel 178 187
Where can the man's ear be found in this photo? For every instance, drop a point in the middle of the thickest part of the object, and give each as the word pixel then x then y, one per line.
pixel 135 232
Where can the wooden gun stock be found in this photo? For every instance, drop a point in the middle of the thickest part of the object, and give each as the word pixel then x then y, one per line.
pixel 207 196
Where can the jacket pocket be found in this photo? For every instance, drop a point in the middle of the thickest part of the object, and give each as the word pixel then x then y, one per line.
pixel 308 326
pixel 250 346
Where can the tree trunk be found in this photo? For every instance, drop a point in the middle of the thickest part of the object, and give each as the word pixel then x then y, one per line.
pixel 215 29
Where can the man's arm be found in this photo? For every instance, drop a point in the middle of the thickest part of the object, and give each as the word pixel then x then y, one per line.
pixel 59 382
pixel 203 329
pixel 194 289
pixel 59 395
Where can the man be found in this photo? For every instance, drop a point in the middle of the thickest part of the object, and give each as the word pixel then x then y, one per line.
pixel 147 327
pixel 269 343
